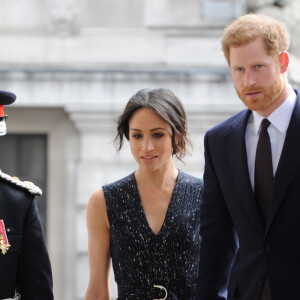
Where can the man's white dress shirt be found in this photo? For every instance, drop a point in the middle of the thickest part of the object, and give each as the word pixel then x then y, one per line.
pixel 279 119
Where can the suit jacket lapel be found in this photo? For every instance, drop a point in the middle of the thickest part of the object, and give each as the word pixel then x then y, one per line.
pixel 289 163
pixel 236 148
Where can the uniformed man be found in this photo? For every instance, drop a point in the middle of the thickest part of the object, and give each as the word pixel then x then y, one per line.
pixel 25 270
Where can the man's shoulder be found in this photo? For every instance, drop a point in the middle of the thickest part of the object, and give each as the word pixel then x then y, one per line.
pixel 232 122
pixel 12 183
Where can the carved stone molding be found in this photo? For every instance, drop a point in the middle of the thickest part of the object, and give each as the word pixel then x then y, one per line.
pixel 65 16
pixel 286 11
pixel 192 13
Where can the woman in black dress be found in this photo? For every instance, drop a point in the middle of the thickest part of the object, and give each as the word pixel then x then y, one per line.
pixel 147 222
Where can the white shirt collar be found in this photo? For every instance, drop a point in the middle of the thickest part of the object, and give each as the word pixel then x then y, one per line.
pixel 279 118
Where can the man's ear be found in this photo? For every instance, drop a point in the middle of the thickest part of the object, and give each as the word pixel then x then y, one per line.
pixel 284 60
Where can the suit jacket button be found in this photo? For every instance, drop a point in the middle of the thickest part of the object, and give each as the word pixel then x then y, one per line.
pixel 268 248
pixel 259 282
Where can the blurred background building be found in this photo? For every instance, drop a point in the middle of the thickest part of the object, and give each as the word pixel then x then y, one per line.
pixel 73 65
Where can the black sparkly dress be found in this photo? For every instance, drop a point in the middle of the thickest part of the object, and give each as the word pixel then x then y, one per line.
pixel 148 265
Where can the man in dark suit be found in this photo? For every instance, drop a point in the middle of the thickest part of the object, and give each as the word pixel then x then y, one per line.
pixel 251 207
pixel 25 271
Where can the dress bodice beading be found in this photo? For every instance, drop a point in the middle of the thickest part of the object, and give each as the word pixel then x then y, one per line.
pixel 141 258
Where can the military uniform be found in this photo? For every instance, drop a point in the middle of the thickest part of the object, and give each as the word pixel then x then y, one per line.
pixel 25 268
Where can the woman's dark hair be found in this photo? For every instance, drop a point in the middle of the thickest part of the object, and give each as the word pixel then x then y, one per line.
pixel 166 105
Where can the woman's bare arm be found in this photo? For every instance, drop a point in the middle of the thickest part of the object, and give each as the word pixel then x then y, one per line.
pixel 98 245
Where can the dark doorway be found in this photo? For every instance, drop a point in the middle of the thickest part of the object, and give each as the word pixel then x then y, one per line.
pixel 25 156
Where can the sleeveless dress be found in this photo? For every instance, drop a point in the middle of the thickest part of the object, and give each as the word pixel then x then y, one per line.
pixel 148 265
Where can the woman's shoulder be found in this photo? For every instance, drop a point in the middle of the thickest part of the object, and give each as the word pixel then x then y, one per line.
pixel 97 200
pixel 190 187
pixel 120 184
pixel 191 179
pixel 96 209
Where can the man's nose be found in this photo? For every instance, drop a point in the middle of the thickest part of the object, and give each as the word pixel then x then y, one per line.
pixel 249 78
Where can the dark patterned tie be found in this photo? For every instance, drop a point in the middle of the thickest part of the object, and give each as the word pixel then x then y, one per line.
pixel 263 177
pixel 263 171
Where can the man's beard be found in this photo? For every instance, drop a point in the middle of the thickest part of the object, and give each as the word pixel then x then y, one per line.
pixel 267 97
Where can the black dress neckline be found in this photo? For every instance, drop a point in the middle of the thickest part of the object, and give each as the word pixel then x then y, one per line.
pixel 142 211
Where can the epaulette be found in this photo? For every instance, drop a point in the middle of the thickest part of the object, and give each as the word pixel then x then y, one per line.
pixel 29 186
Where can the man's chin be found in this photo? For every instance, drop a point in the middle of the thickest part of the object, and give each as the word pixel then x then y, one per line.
pixel 252 105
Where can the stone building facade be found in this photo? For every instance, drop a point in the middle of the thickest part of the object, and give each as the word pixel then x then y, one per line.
pixel 73 65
